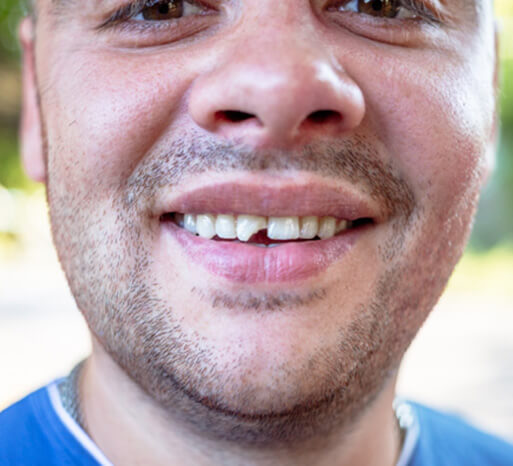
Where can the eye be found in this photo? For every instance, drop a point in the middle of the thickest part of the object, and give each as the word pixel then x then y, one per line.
pixel 150 23
pixel 377 8
pixel 166 10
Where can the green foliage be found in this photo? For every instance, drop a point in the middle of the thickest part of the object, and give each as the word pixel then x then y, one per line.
pixel 11 172
pixel 10 13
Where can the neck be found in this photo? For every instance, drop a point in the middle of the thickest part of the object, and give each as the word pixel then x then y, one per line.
pixel 130 428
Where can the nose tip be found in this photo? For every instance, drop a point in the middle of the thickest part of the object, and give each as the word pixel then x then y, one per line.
pixel 278 104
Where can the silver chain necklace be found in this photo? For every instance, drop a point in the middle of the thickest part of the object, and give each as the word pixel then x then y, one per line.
pixel 70 398
pixel 70 395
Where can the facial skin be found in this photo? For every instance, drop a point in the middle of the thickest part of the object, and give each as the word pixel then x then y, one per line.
pixel 119 118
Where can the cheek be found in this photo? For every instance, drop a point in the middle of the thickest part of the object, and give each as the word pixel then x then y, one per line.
pixel 105 111
pixel 434 121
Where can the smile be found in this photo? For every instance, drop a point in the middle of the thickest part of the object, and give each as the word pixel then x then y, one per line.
pixel 246 233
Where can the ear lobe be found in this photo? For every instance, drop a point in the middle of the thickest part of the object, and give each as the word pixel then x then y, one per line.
pixel 32 152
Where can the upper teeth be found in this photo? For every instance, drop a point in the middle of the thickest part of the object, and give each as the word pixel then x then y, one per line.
pixel 243 227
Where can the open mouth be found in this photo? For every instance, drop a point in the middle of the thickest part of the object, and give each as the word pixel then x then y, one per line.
pixel 267 231
pixel 263 231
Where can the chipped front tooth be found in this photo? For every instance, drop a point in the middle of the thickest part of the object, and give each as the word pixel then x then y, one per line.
pixel 225 226
pixel 248 225
pixel 327 226
pixel 205 225
pixel 283 228
pixel 309 227
pixel 189 222
pixel 341 226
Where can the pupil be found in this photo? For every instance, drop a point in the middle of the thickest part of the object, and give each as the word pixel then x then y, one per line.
pixel 164 8
pixel 377 5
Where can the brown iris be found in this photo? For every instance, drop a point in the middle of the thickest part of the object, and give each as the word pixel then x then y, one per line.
pixel 163 10
pixel 380 8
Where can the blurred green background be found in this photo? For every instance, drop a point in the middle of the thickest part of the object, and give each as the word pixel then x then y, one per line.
pixel 494 226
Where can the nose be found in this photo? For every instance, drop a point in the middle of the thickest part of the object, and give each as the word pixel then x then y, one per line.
pixel 276 96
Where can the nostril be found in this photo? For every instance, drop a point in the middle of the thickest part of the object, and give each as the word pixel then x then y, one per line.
pixel 324 116
pixel 233 116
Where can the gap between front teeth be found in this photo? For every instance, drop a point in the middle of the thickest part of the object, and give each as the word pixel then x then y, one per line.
pixel 243 227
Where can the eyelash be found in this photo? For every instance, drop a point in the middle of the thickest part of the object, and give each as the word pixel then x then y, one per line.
pixel 134 8
pixel 419 8
pixel 122 18
pixel 130 10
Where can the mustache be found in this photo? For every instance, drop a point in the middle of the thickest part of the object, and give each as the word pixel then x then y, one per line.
pixel 355 160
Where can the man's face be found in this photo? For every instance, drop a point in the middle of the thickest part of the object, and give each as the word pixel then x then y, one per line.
pixel 276 109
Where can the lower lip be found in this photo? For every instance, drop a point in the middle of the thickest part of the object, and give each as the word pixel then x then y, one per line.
pixel 246 263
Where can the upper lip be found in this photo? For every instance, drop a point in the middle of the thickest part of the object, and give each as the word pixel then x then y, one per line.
pixel 272 200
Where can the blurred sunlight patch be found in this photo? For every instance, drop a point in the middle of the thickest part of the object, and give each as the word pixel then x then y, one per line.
pixel 489 272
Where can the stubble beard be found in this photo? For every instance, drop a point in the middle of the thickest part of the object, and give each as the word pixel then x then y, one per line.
pixel 180 371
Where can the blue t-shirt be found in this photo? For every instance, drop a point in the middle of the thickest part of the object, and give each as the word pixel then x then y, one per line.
pixel 38 431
